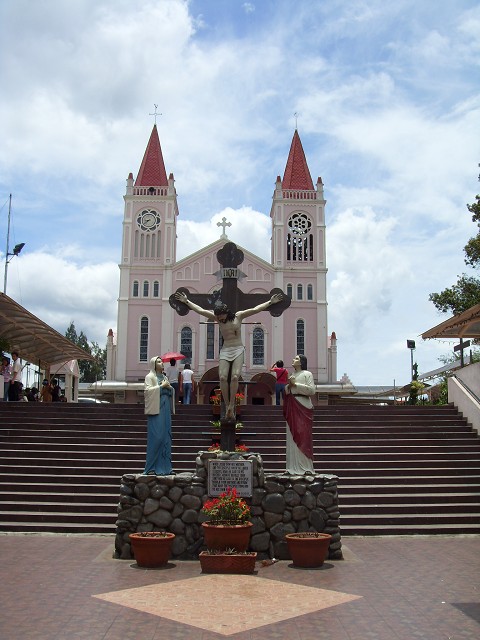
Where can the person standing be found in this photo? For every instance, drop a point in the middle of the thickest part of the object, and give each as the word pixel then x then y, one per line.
pixel 55 390
pixel 298 412
pixel 46 392
pixel 187 383
pixel 173 376
pixel 158 402
pixel 16 379
pixel 6 372
pixel 282 379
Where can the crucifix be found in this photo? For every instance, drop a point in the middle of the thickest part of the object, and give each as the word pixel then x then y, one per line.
pixel 229 306
pixel 224 224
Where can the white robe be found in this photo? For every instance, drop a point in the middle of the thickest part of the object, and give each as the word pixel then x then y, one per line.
pixel 297 462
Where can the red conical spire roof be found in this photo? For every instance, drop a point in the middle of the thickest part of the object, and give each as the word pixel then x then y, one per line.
pixel 297 174
pixel 152 171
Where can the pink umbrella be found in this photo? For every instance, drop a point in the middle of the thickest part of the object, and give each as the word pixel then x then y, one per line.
pixel 173 354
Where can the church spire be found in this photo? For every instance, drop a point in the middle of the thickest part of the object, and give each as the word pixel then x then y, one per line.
pixel 297 174
pixel 152 171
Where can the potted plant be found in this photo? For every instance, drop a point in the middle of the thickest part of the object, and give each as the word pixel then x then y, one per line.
pixel 216 401
pixel 308 548
pixel 218 425
pixel 239 448
pixel 228 561
pixel 228 524
pixel 151 548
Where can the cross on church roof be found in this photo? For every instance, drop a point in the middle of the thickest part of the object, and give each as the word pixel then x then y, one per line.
pixel 224 224
pixel 155 114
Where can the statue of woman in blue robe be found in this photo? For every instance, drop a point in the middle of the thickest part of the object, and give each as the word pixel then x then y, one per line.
pixel 158 408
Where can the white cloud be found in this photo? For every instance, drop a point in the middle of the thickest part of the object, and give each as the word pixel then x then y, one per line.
pixel 58 290
pixel 389 114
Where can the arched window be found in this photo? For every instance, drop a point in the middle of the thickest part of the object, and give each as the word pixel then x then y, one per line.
pixel 186 343
pixel 143 352
pixel 135 289
pixel 156 289
pixel 145 288
pixel 309 292
pixel 290 291
pixel 210 340
pixel 301 337
pixel 258 346
pixel 299 291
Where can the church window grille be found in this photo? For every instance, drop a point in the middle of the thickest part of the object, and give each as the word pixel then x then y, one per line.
pixel 186 343
pixel 290 291
pixel 146 287
pixel 258 344
pixel 142 245
pixel 301 337
pixel 135 289
pixel 210 340
pixel 299 238
pixel 156 289
pixel 299 291
pixel 143 356
pixel 147 245
pixel 309 292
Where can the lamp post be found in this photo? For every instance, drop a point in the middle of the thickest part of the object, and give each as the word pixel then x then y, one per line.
pixel 411 346
pixel 16 249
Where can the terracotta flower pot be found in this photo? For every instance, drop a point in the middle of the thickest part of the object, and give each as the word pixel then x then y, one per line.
pixel 151 551
pixel 224 536
pixel 228 563
pixel 307 549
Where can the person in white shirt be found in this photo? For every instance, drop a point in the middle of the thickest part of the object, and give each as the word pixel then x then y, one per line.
pixel 16 379
pixel 186 383
pixel 173 375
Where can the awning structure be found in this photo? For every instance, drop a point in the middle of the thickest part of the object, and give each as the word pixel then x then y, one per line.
pixel 463 325
pixel 34 340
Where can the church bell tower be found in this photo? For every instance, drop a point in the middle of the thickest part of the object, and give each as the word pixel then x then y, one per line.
pixel 299 259
pixel 148 255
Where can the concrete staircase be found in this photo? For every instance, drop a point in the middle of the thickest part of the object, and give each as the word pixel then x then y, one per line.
pixel 401 469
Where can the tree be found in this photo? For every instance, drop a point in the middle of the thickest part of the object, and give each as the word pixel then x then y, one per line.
pixel 465 293
pixel 90 370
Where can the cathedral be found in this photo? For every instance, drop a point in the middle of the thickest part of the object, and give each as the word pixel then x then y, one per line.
pixel 150 273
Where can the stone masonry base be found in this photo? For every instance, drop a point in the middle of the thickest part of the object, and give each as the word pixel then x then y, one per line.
pixel 280 504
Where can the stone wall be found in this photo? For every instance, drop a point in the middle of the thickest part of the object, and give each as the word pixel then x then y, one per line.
pixel 280 504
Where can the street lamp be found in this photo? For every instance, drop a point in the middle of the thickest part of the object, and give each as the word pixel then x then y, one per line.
pixel 411 346
pixel 16 249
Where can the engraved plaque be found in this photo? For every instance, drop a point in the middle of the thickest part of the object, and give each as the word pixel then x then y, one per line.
pixel 236 474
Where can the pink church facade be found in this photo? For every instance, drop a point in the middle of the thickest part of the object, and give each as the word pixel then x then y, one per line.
pixel 150 273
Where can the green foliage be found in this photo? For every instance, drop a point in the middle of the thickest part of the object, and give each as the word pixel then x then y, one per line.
pixel 90 370
pixel 465 293
pixel 472 248
pixel 459 297
pixel 4 345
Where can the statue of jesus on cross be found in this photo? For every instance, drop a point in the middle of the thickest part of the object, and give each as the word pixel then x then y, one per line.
pixel 232 351
pixel 226 308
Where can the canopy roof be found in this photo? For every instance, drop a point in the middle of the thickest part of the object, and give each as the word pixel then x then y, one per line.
pixel 33 339
pixel 464 325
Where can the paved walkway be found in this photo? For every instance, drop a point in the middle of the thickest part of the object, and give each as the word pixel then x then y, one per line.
pixel 56 587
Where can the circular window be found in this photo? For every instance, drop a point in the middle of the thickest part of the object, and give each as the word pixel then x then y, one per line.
pixel 148 220
pixel 299 224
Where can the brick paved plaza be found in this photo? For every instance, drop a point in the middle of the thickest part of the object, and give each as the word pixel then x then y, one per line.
pixel 59 587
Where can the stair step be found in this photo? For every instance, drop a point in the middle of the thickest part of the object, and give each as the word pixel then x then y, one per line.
pixel 401 469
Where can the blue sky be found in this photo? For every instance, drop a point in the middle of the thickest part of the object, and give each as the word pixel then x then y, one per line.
pixel 388 104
